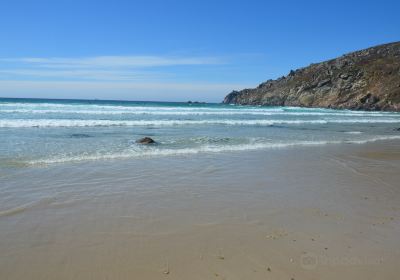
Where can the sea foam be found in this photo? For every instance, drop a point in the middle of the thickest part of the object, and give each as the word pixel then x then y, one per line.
pixel 25 123
pixel 157 152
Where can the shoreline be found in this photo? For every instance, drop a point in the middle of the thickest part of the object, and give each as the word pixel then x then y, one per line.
pixel 249 148
pixel 324 212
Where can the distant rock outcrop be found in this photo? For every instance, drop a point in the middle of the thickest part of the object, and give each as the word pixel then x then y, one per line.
pixel 363 80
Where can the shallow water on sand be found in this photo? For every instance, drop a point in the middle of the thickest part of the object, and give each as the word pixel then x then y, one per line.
pixel 323 212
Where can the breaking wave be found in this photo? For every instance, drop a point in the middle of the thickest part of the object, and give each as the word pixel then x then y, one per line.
pixel 25 123
pixel 158 152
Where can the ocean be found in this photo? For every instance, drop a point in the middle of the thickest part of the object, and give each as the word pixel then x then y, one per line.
pixel 231 191
pixel 44 132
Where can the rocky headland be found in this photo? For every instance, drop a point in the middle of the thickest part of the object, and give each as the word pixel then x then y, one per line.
pixel 363 80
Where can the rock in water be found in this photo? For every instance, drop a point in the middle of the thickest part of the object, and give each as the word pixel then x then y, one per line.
pixel 363 80
pixel 146 140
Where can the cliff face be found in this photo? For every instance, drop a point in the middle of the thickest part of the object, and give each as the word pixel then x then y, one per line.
pixel 364 80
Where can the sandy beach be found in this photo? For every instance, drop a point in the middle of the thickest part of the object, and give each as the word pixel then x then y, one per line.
pixel 325 212
pixel 199 140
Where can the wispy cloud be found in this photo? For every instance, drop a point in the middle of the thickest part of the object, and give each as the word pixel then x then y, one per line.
pixel 126 77
pixel 115 61
pixel 82 74
pixel 108 68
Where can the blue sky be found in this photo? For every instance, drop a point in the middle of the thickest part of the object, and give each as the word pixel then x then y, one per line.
pixel 175 50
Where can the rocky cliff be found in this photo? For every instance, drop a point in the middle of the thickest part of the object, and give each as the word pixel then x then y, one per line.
pixel 363 80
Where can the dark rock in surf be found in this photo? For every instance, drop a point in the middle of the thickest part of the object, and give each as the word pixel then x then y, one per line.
pixel 146 141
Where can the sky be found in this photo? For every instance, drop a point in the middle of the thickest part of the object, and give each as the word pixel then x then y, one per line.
pixel 158 50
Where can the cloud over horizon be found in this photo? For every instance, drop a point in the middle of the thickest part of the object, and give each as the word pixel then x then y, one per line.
pixel 99 67
pixel 211 92
pixel 121 77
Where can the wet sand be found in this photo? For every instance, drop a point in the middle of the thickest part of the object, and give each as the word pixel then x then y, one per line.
pixel 326 212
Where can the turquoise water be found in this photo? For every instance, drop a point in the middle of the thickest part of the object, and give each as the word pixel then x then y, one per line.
pixel 45 132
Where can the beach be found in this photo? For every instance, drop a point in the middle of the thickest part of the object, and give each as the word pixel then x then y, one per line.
pixel 320 212
pixel 199 140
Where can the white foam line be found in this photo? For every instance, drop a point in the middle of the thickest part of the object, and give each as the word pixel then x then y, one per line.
pixel 192 112
pixel 354 132
pixel 25 123
pixel 156 152
pixel 134 107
